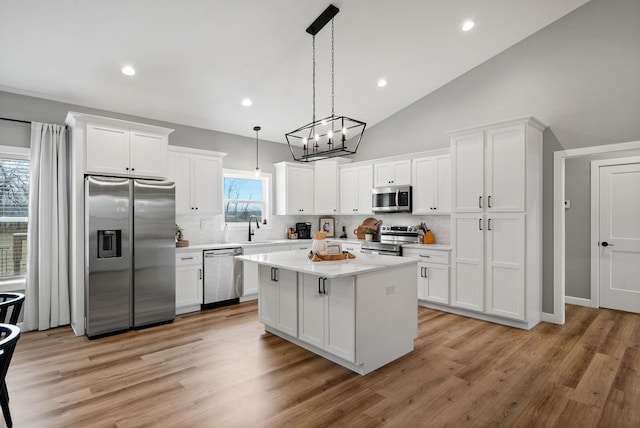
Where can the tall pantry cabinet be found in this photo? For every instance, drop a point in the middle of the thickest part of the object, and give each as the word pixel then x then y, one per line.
pixel 497 221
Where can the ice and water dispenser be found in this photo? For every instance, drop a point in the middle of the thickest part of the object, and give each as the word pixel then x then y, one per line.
pixel 109 244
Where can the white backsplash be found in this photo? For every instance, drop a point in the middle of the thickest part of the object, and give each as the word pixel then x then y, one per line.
pixel 210 229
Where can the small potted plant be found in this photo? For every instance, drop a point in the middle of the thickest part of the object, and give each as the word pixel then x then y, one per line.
pixel 368 234
pixel 179 236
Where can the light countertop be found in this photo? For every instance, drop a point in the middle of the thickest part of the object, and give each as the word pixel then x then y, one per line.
pixel 298 261
pixel 439 247
pixel 218 245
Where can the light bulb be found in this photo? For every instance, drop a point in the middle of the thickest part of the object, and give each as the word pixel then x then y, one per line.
pixel 127 70
pixel 468 25
pixel 257 172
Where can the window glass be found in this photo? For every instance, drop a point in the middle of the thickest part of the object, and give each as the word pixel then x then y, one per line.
pixel 245 195
pixel 14 206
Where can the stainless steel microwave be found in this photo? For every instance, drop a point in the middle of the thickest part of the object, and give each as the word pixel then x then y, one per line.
pixel 392 199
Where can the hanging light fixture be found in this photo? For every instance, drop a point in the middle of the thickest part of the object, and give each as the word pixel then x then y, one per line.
pixel 333 135
pixel 257 129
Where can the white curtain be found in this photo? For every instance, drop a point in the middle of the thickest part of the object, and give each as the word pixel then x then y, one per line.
pixel 47 287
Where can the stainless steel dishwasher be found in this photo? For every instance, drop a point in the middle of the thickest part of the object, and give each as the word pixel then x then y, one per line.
pixel 222 276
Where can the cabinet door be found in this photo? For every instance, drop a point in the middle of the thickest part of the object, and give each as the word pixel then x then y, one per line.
pixel 299 190
pixel 287 283
pixel 340 337
pixel 437 284
pixel 505 169
pixel 442 188
pixel 468 261
pixel 402 173
pixel 384 174
pixel 325 188
pixel 424 185
pixel 505 265
pixel 311 311
pixel 364 186
pixel 148 154
pixel 188 287
pixel 250 278
pixel 348 190
pixel 107 150
pixel 180 173
pixel 267 297
pixel 467 153
pixel 206 184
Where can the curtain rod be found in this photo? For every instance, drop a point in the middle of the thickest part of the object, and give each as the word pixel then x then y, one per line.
pixel 15 120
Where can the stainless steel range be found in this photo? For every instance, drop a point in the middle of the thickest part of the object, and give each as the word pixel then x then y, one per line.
pixel 391 240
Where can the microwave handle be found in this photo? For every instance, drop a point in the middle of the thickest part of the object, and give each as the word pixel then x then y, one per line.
pixel 397 198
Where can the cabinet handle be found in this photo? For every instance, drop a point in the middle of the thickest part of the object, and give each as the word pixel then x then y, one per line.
pixel 133 169
pixel 422 272
pixel 319 288
pixel 489 224
pixel 480 224
pixel 489 201
pixel 127 168
pixel 186 258
pixel 423 255
pixel 479 201
pixel 426 272
pixel 275 274
pixel 199 273
pixel 324 285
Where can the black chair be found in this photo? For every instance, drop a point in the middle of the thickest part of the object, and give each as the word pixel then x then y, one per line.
pixel 10 306
pixel 9 335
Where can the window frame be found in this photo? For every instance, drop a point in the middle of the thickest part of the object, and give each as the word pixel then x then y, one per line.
pixel 22 153
pixel 265 177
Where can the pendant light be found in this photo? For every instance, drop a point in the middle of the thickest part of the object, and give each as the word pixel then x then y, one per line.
pixel 257 129
pixel 333 135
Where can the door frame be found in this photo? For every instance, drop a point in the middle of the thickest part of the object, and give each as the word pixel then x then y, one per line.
pixel 595 220
pixel 559 244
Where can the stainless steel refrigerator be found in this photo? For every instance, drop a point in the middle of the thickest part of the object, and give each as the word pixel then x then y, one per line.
pixel 129 253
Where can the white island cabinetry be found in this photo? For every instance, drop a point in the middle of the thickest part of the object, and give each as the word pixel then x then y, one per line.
pixel 360 313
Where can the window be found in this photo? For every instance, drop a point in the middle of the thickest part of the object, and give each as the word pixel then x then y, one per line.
pixel 245 195
pixel 14 206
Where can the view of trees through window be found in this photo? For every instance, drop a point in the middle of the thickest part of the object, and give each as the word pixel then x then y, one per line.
pixel 243 197
pixel 14 206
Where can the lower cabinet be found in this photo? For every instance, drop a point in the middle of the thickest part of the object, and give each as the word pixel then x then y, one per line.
pixel 250 270
pixel 327 314
pixel 433 274
pixel 278 297
pixel 188 281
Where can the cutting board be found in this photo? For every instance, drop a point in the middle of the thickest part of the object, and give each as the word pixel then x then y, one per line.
pixel 369 223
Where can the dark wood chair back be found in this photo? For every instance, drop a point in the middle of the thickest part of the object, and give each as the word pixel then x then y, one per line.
pixel 9 335
pixel 10 306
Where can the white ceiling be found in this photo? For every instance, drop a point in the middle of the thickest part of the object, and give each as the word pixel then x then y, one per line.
pixel 197 59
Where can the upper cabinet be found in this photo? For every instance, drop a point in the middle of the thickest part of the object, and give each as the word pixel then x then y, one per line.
pixel 489 166
pixel 356 182
pixel 326 189
pixel 396 173
pixel 432 185
pixel 125 149
pixel 294 188
pixel 198 178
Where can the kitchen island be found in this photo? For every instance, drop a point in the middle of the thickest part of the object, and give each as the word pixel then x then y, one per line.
pixel 360 313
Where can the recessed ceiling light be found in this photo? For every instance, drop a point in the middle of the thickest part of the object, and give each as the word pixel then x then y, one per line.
pixel 247 102
pixel 468 25
pixel 382 83
pixel 128 70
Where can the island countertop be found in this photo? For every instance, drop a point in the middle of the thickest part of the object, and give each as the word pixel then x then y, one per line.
pixel 298 261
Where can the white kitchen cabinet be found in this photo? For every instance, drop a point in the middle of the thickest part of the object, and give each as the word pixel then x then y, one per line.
pixel 188 281
pixel 433 274
pixel 294 189
pixel 326 186
pixel 250 276
pixel 356 183
pixel 431 181
pixel 497 221
pixel 327 314
pixel 394 173
pixel 278 301
pixel 125 149
pixel 198 178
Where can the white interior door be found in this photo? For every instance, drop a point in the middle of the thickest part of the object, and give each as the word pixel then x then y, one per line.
pixel 619 237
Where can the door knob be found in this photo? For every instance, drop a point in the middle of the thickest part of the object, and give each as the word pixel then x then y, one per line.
pixel 606 244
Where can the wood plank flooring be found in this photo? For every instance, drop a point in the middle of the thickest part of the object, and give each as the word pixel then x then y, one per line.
pixel 218 368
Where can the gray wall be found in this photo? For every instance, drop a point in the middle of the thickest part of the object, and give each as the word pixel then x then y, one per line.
pixel 241 150
pixel 579 75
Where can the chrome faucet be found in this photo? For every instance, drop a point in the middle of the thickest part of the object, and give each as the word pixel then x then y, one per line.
pixel 251 232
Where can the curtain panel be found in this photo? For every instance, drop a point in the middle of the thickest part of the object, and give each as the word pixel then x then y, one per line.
pixel 47 286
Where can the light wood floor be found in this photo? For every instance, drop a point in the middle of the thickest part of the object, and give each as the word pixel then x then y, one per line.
pixel 219 368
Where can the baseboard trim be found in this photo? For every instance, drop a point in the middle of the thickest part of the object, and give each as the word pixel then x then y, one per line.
pixel 547 317
pixel 577 301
